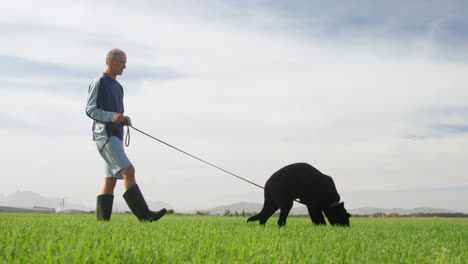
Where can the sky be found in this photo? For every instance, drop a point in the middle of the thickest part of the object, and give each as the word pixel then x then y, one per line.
pixel 372 93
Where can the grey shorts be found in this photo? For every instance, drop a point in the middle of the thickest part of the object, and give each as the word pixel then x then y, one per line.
pixel 114 155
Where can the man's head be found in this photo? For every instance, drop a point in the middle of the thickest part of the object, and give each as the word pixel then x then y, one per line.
pixel 116 61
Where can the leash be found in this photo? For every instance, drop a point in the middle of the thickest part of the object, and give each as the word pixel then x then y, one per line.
pixel 127 143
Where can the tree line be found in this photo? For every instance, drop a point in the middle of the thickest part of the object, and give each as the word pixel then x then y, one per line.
pixel 395 215
pixel 228 213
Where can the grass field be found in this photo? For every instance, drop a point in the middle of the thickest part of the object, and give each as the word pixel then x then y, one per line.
pixel 31 238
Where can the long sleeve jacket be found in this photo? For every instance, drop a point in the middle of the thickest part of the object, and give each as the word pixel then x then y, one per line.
pixel 105 100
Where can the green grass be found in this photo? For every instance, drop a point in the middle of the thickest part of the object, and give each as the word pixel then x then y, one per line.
pixel 31 238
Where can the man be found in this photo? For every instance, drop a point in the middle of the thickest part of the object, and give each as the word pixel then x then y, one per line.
pixel 105 107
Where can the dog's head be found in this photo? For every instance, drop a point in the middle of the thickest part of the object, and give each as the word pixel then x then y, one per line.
pixel 337 215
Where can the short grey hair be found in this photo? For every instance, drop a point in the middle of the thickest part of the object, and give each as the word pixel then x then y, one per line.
pixel 111 54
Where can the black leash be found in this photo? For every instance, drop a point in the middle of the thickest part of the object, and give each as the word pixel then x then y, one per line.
pixel 127 143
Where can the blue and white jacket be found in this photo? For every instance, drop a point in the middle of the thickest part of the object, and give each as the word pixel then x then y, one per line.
pixel 105 100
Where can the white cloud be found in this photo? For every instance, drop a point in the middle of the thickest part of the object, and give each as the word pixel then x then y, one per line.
pixel 247 97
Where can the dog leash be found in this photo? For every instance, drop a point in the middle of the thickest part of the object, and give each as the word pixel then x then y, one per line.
pixel 127 143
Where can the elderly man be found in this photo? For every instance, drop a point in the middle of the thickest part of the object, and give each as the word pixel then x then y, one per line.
pixel 105 107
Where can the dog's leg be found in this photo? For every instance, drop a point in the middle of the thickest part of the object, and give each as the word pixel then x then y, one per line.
pixel 267 213
pixel 253 218
pixel 316 215
pixel 285 208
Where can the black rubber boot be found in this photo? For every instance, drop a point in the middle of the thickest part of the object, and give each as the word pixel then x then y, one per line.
pixel 137 204
pixel 104 207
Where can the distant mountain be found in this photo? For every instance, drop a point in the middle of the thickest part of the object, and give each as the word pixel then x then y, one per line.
pixel 32 200
pixel 302 210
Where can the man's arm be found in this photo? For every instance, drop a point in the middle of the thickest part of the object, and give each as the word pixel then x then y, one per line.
pixel 91 107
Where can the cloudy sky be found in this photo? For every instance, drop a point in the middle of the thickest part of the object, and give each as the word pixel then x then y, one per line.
pixel 372 93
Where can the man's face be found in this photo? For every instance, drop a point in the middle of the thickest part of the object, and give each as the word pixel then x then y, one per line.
pixel 117 65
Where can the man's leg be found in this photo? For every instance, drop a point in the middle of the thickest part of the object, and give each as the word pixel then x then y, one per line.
pixel 129 177
pixel 113 153
pixel 109 186
pixel 105 200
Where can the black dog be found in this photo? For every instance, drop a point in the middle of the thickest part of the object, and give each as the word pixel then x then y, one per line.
pixel 313 188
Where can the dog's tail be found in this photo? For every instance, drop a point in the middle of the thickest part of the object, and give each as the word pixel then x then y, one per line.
pixel 266 207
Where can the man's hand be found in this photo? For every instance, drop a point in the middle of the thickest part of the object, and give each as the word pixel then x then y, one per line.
pixel 119 118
